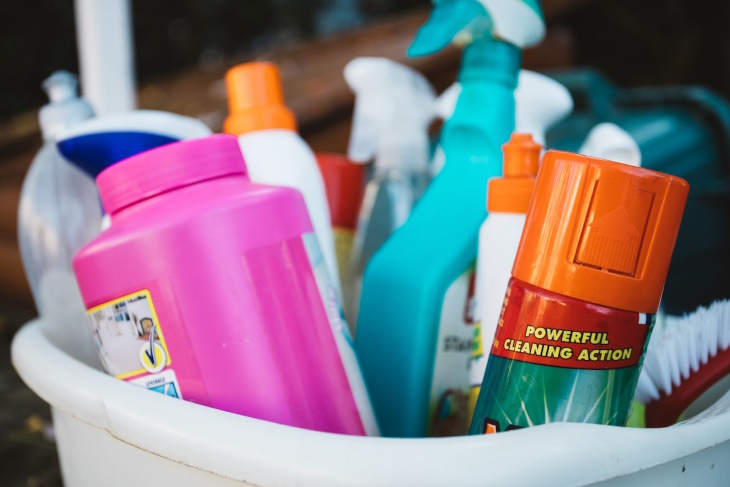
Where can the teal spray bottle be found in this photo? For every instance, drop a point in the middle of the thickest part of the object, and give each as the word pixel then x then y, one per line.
pixel 415 322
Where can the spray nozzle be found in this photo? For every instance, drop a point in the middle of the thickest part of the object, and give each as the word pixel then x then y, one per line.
pixel 518 22
pixel 540 102
pixel 65 108
pixel 512 192
pixel 521 156
pixel 61 86
pixel 449 20
pixel 394 106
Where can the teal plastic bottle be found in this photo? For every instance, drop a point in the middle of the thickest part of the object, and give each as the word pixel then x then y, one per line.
pixel 424 272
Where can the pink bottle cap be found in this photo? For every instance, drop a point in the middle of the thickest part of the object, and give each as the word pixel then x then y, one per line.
pixel 168 167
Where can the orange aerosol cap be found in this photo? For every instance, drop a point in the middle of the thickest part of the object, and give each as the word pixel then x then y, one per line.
pixel 600 231
pixel 256 100
pixel 511 193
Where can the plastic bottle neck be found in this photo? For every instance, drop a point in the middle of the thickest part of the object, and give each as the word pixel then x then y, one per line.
pixel 490 60
pixel 65 108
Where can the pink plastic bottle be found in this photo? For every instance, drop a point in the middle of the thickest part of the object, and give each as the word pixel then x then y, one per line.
pixel 210 288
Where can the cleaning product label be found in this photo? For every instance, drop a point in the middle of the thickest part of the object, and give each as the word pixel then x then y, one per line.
pixel 130 342
pixel 343 248
pixel 164 383
pixel 448 402
pixel 341 333
pixel 478 362
pixel 556 358
pixel 344 238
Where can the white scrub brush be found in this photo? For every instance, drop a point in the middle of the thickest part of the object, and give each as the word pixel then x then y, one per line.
pixel 685 358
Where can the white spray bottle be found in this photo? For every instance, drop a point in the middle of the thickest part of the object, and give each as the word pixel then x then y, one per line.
pixel 58 213
pixel 508 198
pixel 394 106
pixel 273 150
pixel 540 102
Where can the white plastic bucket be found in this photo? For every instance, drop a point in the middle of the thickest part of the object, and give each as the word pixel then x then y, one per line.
pixel 111 433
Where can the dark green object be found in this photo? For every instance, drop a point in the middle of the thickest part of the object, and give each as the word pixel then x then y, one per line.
pixel 683 131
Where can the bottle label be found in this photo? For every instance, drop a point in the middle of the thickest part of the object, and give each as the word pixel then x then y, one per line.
pixel 556 358
pixel 343 248
pixel 131 344
pixel 478 362
pixel 449 400
pixel 344 238
pixel 341 333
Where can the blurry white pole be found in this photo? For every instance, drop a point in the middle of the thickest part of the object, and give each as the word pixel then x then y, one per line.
pixel 106 59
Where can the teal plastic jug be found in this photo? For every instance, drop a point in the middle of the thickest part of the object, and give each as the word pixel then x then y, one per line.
pixel 426 268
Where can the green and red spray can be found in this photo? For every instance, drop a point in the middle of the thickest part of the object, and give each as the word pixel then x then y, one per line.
pixel 585 287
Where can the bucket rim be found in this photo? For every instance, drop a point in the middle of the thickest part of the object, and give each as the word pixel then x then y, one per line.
pixel 266 453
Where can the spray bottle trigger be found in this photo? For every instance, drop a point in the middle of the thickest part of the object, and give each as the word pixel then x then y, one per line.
pixel 448 19
pixel 364 134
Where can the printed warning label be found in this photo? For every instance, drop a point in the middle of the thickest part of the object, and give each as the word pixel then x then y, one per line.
pixel 567 336
pixel 128 336
pixel 449 399
pixel 558 359
pixel 164 383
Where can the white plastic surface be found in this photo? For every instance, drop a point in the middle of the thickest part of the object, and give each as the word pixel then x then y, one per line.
pixel 609 141
pixel 113 434
pixel 58 213
pixel 282 158
pixel 178 127
pixel 106 56
pixel 515 22
pixel 499 237
pixel 540 102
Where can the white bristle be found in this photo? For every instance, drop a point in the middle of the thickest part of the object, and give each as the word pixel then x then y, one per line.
pixel 645 389
pixel 694 350
pixel 711 337
pixel 684 360
pixel 722 334
pixel 680 346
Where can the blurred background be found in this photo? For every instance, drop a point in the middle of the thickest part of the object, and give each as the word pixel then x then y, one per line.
pixel 182 49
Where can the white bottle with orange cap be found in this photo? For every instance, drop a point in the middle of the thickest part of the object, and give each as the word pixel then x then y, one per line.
pixel 273 150
pixel 508 198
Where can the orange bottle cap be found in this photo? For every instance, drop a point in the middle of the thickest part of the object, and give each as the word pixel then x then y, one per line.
pixel 512 192
pixel 256 100
pixel 344 182
pixel 601 231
